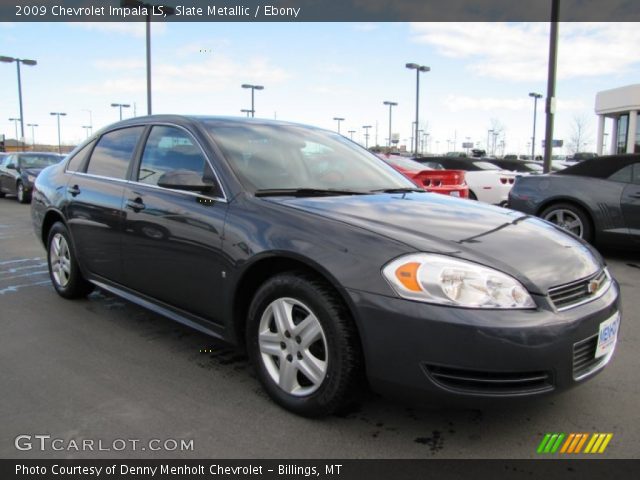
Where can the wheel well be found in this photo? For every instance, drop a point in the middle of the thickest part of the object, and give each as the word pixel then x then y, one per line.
pixel 50 218
pixel 573 203
pixel 259 273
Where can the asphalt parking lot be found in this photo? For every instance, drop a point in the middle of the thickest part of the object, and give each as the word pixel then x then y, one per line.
pixel 104 369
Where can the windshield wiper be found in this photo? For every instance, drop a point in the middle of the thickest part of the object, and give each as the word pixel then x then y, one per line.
pixel 303 192
pixel 398 190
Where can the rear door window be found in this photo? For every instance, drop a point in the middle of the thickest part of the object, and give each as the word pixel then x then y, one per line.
pixel 113 153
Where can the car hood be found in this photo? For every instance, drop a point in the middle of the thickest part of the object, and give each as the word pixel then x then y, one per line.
pixel 537 253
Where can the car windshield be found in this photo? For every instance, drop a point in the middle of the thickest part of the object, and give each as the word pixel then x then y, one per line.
pixel 37 160
pixel 486 166
pixel 282 157
pixel 405 163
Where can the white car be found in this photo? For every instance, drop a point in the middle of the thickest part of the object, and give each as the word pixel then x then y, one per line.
pixel 487 182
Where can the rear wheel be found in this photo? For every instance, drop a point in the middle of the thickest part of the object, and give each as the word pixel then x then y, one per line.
pixel 303 345
pixel 571 218
pixel 63 267
pixel 21 195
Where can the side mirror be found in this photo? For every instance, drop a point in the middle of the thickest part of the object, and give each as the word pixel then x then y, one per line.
pixel 11 166
pixel 185 180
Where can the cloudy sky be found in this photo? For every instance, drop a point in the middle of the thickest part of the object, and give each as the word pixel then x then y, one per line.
pixel 481 74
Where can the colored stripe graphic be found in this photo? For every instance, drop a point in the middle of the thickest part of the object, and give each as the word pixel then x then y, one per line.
pixel 573 443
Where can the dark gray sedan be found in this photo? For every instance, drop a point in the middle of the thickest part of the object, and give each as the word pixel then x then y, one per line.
pixel 325 263
pixel 597 199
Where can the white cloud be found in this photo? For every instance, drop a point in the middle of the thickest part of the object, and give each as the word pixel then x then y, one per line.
pixel 519 52
pixel 365 27
pixel 459 103
pixel 212 74
pixel 136 29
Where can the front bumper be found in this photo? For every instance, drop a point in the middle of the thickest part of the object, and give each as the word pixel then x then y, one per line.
pixel 413 348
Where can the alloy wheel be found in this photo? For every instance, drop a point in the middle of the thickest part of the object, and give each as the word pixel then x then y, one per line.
pixel 567 220
pixel 293 346
pixel 60 260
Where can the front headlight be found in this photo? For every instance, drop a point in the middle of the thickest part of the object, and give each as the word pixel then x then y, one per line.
pixel 446 280
pixel 31 178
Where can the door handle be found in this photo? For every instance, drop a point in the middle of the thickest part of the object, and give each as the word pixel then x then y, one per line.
pixel 135 204
pixel 75 190
pixel 635 195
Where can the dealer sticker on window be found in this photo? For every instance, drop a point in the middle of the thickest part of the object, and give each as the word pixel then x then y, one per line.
pixel 608 335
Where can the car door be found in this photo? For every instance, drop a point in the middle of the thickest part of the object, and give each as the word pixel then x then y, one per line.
pixel 94 203
pixel 630 201
pixel 172 241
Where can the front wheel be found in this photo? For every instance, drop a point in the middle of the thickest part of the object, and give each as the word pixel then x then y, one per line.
pixel 571 218
pixel 303 345
pixel 63 267
pixel 21 195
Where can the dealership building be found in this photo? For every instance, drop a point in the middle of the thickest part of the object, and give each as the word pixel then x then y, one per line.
pixel 621 105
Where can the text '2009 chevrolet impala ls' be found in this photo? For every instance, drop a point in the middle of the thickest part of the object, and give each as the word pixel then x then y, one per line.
pixel 324 262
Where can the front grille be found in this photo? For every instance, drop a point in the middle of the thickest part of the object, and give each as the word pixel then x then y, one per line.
pixel 490 383
pixel 584 357
pixel 572 294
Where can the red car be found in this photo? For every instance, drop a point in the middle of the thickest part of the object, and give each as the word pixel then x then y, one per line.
pixel 446 182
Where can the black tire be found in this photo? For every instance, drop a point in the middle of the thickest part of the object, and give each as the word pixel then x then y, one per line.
pixel 472 196
pixel 342 381
pixel 68 283
pixel 552 212
pixel 21 195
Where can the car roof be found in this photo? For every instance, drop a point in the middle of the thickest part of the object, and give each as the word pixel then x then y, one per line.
pixel 600 167
pixel 210 119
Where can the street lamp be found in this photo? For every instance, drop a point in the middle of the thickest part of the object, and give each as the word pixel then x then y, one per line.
pixel 418 69
pixel 489 132
pixel 244 110
pixel 366 135
pixel 391 105
pixel 18 61
pixel 120 106
pixel 33 135
pixel 338 119
pixel 87 128
pixel 351 132
pixel 535 97
pixel 59 114
pixel 15 123
pixel 150 9
pixel 253 89
pixel 90 119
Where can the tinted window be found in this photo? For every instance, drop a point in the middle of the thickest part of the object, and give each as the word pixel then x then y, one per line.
pixel 169 148
pixel 282 156
pixel 77 162
pixel 113 152
pixel 622 175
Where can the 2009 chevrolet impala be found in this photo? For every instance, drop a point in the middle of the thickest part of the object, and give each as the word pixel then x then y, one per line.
pixel 327 264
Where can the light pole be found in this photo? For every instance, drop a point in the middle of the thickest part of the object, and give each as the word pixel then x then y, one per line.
pixel 338 119
pixel 33 134
pixel 391 105
pixel 59 114
pixel 150 9
pixel 120 106
pixel 18 61
pixel 90 118
pixel 366 135
pixel 351 132
pixel 495 137
pixel 86 129
pixel 244 110
pixel 489 132
pixel 253 89
pixel 15 123
pixel 418 69
pixel 535 97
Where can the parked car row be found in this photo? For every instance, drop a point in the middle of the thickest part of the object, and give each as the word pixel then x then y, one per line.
pixel 325 263
pixel 19 170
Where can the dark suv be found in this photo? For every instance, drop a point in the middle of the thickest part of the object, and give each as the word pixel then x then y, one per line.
pixel 326 264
